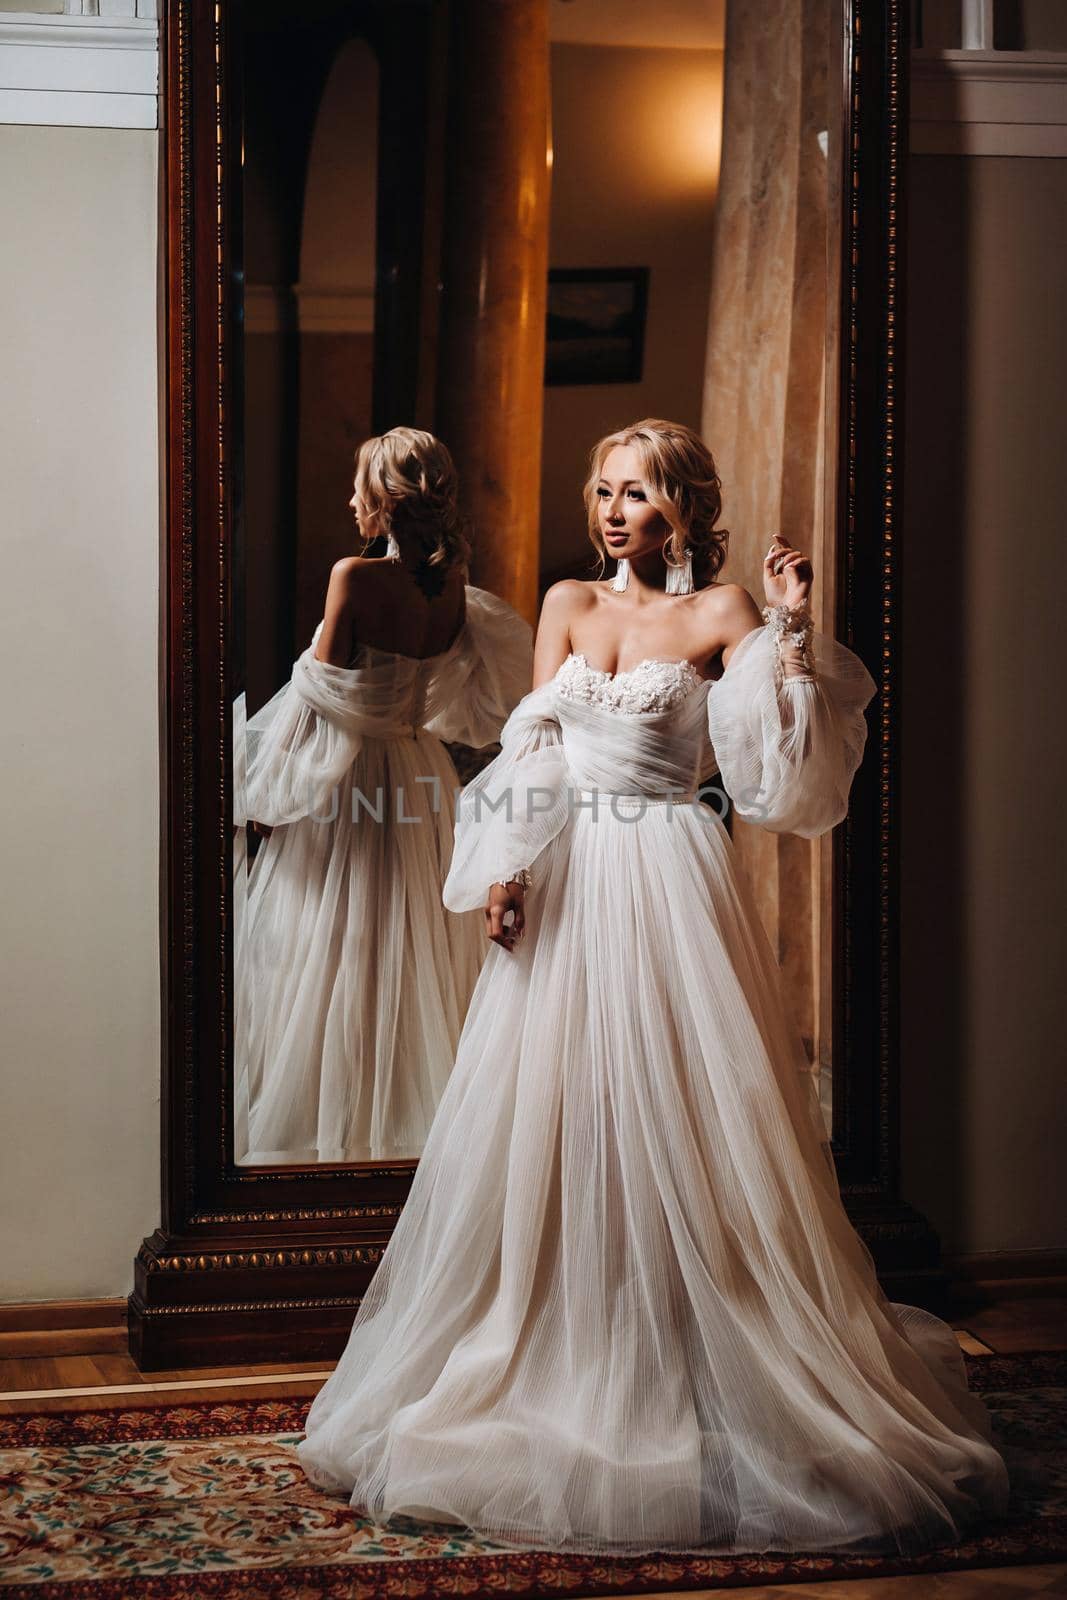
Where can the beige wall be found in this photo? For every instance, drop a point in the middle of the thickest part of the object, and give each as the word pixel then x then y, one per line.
pixel 984 869
pixel 337 245
pixel 337 252
pixel 79 534
pixel 636 144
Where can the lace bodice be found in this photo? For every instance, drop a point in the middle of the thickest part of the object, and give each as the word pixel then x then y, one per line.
pixel 653 685
pixel 786 753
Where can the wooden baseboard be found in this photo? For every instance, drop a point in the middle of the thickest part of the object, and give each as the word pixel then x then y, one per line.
pixel 1046 1269
pixel 47 1316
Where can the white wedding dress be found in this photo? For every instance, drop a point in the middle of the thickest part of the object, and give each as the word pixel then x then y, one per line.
pixel 623 1309
pixel 351 978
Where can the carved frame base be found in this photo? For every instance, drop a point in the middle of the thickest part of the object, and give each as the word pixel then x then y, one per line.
pixel 273 1299
pixel 280 1299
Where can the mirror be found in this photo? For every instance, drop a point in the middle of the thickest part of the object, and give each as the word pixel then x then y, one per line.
pixel 351 980
pixel 274 1258
pixel 682 283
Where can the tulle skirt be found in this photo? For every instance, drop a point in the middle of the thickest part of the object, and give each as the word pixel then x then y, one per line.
pixel 623 1308
pixel 352 980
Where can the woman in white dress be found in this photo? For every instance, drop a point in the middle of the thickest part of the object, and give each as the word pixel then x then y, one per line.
pixel 352 978
pixel 624 1308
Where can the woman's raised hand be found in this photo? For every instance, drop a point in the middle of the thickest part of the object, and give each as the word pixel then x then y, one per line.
pixel 502 899
pixel 787 574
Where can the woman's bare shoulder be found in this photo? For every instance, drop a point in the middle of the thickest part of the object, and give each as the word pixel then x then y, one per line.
pixel 729 601
pixel 723 593
pixel 347 572
pixel 570 596
pixel 728 613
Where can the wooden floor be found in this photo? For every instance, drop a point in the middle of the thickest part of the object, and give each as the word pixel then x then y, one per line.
pixel 86 1368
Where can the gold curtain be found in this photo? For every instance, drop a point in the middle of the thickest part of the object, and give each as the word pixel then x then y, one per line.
pixel 770 387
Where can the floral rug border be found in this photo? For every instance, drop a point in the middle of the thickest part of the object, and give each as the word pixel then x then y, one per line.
pixel 505 1575
pixel 540 1575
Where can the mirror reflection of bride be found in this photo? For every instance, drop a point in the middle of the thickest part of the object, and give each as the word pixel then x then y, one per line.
pixel 624 1308
pixel 352 978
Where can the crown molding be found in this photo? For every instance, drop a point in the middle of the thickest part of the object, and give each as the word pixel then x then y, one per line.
pixel 73 71
pixel 988 103
pixel 989 66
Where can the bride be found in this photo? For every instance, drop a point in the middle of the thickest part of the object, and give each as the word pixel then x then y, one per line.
pixel 352 979
pixel 624 1309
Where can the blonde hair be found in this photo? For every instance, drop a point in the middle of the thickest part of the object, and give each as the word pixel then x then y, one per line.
pixel 406 485
pixel 682 483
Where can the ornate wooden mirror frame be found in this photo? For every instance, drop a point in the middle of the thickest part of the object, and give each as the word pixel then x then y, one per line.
pixel 272 1264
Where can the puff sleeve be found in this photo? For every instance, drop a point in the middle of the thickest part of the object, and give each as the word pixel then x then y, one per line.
pixel 513 808
pixel 787 748
pixel 301 743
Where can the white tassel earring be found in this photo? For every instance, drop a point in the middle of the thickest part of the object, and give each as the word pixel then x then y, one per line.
pixel 680 579
pixel 392 549
pixel 622 576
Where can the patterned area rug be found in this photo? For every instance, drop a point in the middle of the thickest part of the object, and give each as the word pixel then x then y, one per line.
pixel 207 1501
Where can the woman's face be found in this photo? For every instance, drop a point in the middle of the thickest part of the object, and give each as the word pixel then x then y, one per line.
pixel 631 528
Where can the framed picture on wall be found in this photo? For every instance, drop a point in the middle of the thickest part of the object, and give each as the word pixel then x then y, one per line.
pixel 596 324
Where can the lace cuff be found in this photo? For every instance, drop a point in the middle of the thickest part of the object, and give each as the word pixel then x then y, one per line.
pixel 521 876
pixel 792 629
pixel 788 757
